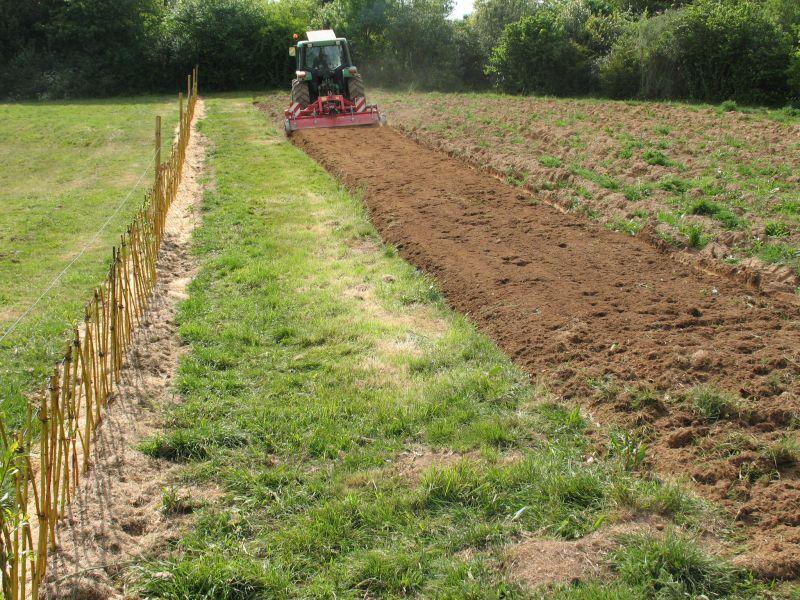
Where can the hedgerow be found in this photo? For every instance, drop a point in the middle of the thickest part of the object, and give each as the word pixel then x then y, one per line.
pixel 705 50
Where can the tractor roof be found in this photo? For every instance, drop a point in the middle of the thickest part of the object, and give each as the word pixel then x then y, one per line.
pixel 323 43
pixel 322 37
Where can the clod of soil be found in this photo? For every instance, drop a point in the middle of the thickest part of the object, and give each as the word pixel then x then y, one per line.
pixel 576 303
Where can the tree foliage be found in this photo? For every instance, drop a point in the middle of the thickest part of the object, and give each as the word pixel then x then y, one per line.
pixel 710 50
pixel 399 42
pixel 239 43
pixel 536 55
pixel 747 50
pixel 108 43
pixel 490 18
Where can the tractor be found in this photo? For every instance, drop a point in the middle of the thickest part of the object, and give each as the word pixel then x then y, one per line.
pixel 328 90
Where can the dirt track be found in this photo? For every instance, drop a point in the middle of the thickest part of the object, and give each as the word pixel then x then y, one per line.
pixel 575 302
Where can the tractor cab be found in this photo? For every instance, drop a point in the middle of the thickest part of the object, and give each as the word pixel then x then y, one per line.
pixel 324 62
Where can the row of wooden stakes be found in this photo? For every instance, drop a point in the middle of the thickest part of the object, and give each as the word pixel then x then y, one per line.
pixel 43 462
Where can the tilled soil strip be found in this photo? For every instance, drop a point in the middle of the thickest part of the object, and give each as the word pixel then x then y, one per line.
pixel 118 515
pixel 576 303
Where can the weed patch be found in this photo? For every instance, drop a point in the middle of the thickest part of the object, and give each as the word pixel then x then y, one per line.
pixel 675 567
pixel 655 157
pixel 550 162
pixel 713 404
pixel 722 214
pixel 776 229
pixel 629 226
pixel 604 181
pixel 695 235
pixel 776 253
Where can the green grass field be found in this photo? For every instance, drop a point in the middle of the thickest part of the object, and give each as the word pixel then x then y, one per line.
pixel 321 364
pixel 67 168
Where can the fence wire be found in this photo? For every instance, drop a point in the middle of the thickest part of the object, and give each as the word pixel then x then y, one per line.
pixel 78 256
pixel 42 463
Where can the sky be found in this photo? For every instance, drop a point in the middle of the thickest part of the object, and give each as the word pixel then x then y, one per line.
pixel 462 7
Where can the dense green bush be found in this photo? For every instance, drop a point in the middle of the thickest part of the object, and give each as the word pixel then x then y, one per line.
pixel 731 49
pixel 238 43
pixel 419 46
pixel 78 47
pixel 470 57
pixel 645 62
pixel 793 73
pixel 785 13
pixel 535 55
pixel 711 50
pixel 401 43
pixel 649 6
pixel 490 17
pixel 621 69
pixel 106 46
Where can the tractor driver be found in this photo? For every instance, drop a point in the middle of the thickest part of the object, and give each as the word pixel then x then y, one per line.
pixel 321 60
pixel 325 58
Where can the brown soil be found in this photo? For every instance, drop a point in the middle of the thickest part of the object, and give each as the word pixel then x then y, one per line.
pixel 574 302
pixel 117 515
pixel 415 462
pixel 412 464
pixel 746 162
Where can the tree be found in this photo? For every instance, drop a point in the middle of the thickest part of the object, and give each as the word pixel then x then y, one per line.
pixel 110 44
pixel 420 44
pixel 470 56
pixel 785 13
pixel 398 42
pixel 237 43
pixel 21 26
pixel 731 49
pixel 490 18
pixel 363 22
pixel 536 55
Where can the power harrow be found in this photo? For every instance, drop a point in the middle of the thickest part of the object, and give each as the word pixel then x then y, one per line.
pixel 332 111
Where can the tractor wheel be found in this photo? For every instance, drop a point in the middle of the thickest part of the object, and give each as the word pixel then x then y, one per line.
pixel 300 93
pixel 355 88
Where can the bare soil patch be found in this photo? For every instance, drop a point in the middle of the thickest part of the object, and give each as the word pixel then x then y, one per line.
pixel 118 516
pixel 590 309
pixel 412 464
pixel 539 562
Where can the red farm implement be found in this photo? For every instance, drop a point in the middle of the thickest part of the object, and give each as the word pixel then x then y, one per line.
pixel 332 111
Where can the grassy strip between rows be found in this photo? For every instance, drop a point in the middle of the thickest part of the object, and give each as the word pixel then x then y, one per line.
pixel 67 167
pixel 319 360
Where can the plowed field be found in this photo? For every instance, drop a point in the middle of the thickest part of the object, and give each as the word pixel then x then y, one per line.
pixel 724 182
pixel 702 367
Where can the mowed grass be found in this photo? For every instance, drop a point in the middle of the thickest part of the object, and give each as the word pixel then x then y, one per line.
pixel 67 166
pixel 367 441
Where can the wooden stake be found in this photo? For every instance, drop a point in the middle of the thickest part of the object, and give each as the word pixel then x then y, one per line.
pixel 158 148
